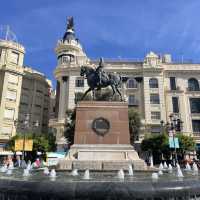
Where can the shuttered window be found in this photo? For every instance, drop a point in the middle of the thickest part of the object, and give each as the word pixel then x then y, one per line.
pixel 11 95
pixel 13 79
pixel 6 130
pixel 14 58
pixel 9 113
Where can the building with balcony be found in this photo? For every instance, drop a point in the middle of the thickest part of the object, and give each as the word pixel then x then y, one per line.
pixel 156 86
pixel 23 92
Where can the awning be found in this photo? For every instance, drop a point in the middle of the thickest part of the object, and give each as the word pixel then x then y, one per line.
pixel 56 154
pixel 6 153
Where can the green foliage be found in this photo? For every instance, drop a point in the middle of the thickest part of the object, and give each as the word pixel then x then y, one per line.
pixel 134 124
pixel 70 126
pixel 160 144
pixel 155 143
pixel 41 142
pixel 186 143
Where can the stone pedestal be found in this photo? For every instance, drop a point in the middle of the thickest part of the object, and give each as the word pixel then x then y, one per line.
pixel 102 139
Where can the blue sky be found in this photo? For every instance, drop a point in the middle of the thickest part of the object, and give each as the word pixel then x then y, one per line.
pixel 108 28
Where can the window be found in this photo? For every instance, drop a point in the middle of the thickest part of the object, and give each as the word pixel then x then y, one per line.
pixel 175 105
pixel 13 79
pixel 155 115
pixel 14 57
pixel 154 99
pixel 79 82
pixel 196 126
pixel 67 58
pixel 24 98
pixel 195 105
pixel 193 84
pixel 155 130
pixel 6 130
pixel 172 83
pixel 77 97
pixel 11 95
pixel 132 100
pixel 9 113
pixel 132 83
pixel 153 83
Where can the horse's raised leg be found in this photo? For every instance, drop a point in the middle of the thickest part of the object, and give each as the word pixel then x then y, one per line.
pixel 113 89
pixel 86 93
pixel 93 94
pixel 119 93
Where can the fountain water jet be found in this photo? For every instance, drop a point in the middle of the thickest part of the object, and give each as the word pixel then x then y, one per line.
pixel 151 161
pixel 120 174
pixel 179 172
pixel 4 168
pixel 86 174
pixel 130 170
pixel 26 172
pixel 161 166
pixel 9 172
pixel 154 176
pixel 170 168
pixel 74 172
pixel 53 173
pixel 165 165
pixel 188 167
pixel 46 171
pixel 195 169
pixel 160 172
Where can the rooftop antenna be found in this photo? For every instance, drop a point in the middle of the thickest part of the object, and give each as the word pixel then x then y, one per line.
pixel 7 34
pixel 182 58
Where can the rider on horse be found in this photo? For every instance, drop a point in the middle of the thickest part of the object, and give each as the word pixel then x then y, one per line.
pixel 100 72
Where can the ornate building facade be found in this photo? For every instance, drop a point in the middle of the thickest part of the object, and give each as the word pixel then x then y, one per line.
pixel 24 94
pixel 157 87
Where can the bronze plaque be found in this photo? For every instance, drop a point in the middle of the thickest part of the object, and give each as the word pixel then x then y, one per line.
pixel 101 126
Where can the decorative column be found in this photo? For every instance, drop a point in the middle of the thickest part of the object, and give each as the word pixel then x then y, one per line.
pixel 63 97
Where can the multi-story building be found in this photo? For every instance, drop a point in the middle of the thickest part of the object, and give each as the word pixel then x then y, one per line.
pixel 34 102
pixel 22 91
pixel 156 86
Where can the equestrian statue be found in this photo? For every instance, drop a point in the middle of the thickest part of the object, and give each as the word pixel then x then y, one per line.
pixel 98 79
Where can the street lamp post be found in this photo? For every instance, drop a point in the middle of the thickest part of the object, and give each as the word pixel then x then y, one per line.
pixel 26 126
pixel 174 125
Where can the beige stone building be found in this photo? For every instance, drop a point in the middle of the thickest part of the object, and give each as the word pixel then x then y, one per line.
pixel 24 93
pixel 162 87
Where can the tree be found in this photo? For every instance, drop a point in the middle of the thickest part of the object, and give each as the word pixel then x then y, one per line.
pixel 41 142
pixel 159 144
pixel 134 124
pixel 70 126
pixel 186 143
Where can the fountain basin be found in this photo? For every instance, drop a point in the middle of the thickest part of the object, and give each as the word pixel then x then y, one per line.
pixel 100 186
pixel 28 190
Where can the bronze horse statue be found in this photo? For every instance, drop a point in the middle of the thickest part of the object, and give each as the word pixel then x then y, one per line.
pixel 94 82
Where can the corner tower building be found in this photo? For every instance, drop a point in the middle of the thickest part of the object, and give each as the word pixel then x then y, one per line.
pixel 156 86
pixel 70 56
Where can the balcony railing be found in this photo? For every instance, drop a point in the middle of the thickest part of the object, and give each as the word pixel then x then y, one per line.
pixel 192 89
pixel 133 103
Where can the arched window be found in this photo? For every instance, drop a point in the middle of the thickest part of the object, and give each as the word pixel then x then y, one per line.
pixel 193 84
pixel 132 83
pixel 132 101
pixel 153 83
